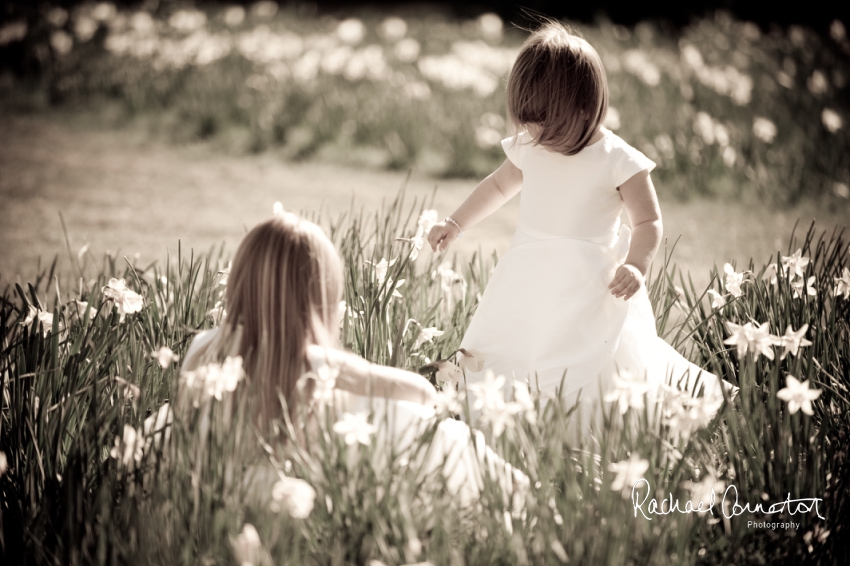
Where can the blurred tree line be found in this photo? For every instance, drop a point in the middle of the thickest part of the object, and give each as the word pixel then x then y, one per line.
pixel 817 14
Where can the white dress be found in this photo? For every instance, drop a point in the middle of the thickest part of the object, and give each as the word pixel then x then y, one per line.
pixel 547 312
pixel 457 453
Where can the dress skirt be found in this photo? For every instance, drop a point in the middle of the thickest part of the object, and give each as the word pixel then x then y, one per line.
pixel 548 317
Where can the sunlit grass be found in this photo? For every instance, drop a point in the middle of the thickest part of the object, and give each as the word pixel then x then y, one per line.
pixel 76 490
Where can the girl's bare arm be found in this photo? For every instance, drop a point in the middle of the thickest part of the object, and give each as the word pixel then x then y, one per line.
pixel 491 193
pixel 361 377
pixel 638 194
pixel 396 383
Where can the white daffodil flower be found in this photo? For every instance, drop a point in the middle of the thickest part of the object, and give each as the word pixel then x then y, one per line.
pixel 381 268
pixel 448 277
pixel 733 281
pixel 628 391
pixel 842 284
pixel 798 395
pixel 133 445
pixel 490 400
pixel 717 300
pixel 708 490
pixel 808 288
pixel 131 392
pixel 345 309
pixel 423 226
pixel 295 496
pixel 32 313
pixel 325 383
pixel 392 287
pixel 165 357
pixel 417 241
pixel 83 307
pixel 764 129
pixel 247 547
pixel 689 414
pixel 223 275
pixel 523 402
pixel 127 300
pixel 488 393
pixel 427 220
pixel 795 264
pixel 214 380
pixel 628 472
pixel 355 428
pixel 748 338
pixel 770 274
pixel 323 392
pixel 44 317
pixel 471 359
pixel 427 335
pixel 672 397
pixel 449 401
pixel 448 372
pixel 793 341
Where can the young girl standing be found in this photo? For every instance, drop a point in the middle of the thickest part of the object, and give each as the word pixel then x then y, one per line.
pixel 568 298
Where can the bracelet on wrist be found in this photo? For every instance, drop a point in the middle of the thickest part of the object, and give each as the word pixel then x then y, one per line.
pixel 451 220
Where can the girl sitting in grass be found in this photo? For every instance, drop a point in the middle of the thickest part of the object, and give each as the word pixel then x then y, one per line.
pixel 282 303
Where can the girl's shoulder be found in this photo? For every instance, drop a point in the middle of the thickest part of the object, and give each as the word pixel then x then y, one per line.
pixel 515 147
pixel 617 146
pixel 204 336
pixel 613 143
pixel 627 159
pixel 522 137
pixel 198 346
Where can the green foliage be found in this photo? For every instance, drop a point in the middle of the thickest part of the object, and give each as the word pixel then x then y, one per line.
pixel 76 491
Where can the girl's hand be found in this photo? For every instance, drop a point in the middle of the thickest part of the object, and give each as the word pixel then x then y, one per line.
pixel 488 196
pixel 627 281
pixel 442 235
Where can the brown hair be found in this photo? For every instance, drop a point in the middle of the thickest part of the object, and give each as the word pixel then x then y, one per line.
pixel 283 293
pixel 558 84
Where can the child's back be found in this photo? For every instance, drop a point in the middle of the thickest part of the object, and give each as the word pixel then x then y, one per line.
pixel 574 196
pixel 568 298
pixel 547 307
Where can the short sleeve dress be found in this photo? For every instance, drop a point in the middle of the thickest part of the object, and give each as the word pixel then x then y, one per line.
pixel 547 315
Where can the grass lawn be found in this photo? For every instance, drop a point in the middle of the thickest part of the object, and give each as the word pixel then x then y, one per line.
pixel 132 193
pixel 161 126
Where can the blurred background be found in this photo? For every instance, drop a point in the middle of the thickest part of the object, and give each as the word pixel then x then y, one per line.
pixel 129 127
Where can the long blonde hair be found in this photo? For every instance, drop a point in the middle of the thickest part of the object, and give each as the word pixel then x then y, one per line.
pixel 558 84
pixel 283 293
